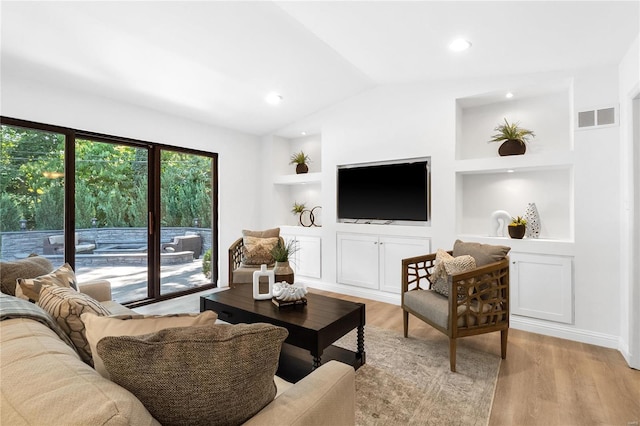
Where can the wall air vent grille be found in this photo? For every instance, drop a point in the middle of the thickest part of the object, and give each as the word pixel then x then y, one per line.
pixel 597 118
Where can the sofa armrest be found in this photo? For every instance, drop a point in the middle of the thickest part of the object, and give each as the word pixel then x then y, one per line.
pixel 98 289
pixel 327 396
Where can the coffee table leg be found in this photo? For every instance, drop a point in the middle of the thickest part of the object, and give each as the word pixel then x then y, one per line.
pixel 361 353
pixel 316 361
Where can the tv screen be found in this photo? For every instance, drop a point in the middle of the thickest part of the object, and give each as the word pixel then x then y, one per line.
pixel 388 192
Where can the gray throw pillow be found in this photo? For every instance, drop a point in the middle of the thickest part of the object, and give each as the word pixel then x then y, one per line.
pixel 30 267
pixel 201 375
pixel 484 254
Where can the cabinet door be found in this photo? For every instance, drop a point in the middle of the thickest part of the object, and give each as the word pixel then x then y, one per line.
pixel 307 262
pixel 358 260
pixel 392 251
pixel 541 286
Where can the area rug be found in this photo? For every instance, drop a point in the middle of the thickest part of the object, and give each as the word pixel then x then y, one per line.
pixel 408 381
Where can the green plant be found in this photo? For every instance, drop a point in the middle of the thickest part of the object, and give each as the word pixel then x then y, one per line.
pixel 282 252
pixel 516 221
pixel 299 158
pixel 206 264
pixel 511 131
pixel 298 208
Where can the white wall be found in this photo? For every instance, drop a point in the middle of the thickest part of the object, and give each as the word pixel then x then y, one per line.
pixel 405 121
pixel 629 88
pixel 238 153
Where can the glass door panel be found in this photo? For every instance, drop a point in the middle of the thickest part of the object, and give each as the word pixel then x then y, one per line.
pixel 111 217
pixel 186 221
pixel 31 193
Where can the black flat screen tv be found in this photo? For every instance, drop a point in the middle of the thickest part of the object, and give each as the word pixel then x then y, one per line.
pixel 388 192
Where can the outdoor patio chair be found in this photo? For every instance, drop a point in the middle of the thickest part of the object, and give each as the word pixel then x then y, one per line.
pixel 184 243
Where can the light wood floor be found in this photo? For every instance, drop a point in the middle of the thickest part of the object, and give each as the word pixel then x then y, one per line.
pixel 543 381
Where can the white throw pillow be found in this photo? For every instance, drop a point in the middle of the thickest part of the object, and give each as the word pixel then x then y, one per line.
pixel 98 327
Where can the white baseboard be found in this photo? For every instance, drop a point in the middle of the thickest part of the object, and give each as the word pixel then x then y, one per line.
pixel 564 331
pixel 350 290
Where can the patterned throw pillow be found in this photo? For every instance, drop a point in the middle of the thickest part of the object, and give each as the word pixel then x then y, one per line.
pixel 447 265
pixel 67 305
pixel 217 375
pixel 257 251
pixel 29 288
pixel 97 327
pixel 30 267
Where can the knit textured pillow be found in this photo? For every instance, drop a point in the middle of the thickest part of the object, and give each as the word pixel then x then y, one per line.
pixel 447 265
pixel 29 288
pixel 98 327
pixel 67 305
pixel 206 375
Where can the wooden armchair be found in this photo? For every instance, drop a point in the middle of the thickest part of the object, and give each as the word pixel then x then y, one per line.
pixel 478 300
pixel 238 274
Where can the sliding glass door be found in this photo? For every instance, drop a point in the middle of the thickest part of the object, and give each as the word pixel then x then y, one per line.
pixel 139 214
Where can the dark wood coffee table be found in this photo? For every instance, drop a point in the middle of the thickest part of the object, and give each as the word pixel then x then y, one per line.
pixel 312 328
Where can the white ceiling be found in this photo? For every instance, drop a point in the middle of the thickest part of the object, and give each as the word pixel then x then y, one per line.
pixel 214 61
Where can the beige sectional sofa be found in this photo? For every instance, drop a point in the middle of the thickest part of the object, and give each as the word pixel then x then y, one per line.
pixel 44 382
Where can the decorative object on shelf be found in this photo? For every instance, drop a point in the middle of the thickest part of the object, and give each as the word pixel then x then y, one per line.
pixel 281 253
pixel 533 221
pixel 513 138
pixel 263 272
pixel 298 209
pixel 517 227
pixel 285 294
pixel 316 216
pixel 300 159
pixel 500 219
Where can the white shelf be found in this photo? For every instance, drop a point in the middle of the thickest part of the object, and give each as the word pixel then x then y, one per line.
pixel 300 179
pixel 546 161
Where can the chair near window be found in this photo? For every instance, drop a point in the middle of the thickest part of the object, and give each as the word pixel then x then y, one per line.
pixel 248 252
pixel 477 301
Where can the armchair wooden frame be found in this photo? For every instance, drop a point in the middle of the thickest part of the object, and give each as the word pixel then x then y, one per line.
pixel 478 300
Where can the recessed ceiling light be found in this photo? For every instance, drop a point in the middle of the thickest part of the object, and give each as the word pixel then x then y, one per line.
pixel 460 44
pixel 303 133
pixel 510 171
pixel 509 95
pixel 273 98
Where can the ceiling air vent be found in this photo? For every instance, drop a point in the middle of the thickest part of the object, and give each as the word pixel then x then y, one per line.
pixel 596 118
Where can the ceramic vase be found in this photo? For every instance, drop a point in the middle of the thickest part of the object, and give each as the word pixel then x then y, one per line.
pixel 283 272
pixel 533 221
pixel 263 272
pixel 517 231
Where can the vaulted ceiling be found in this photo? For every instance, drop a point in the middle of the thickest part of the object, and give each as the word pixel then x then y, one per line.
pixel 214 61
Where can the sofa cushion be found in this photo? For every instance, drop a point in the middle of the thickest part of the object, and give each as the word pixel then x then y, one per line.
pixel 29 288
pixel 67 305
pixel 44 382
pixel 30 267
pixel 204 375
pixel 97 327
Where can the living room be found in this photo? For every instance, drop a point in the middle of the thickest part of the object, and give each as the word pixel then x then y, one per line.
pixel 383 105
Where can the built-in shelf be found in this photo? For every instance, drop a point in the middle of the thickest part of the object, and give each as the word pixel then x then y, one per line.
pixel 527 162
pixel 300 179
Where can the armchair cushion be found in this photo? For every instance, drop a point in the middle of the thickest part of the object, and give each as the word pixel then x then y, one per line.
pixel 435 307
pixel 447 265
pixel 484 254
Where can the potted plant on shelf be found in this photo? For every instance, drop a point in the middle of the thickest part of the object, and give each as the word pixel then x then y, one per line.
pixel 517 227
pixel 281 254
pixel 300 159
pixel 297 210
pixel 513 138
